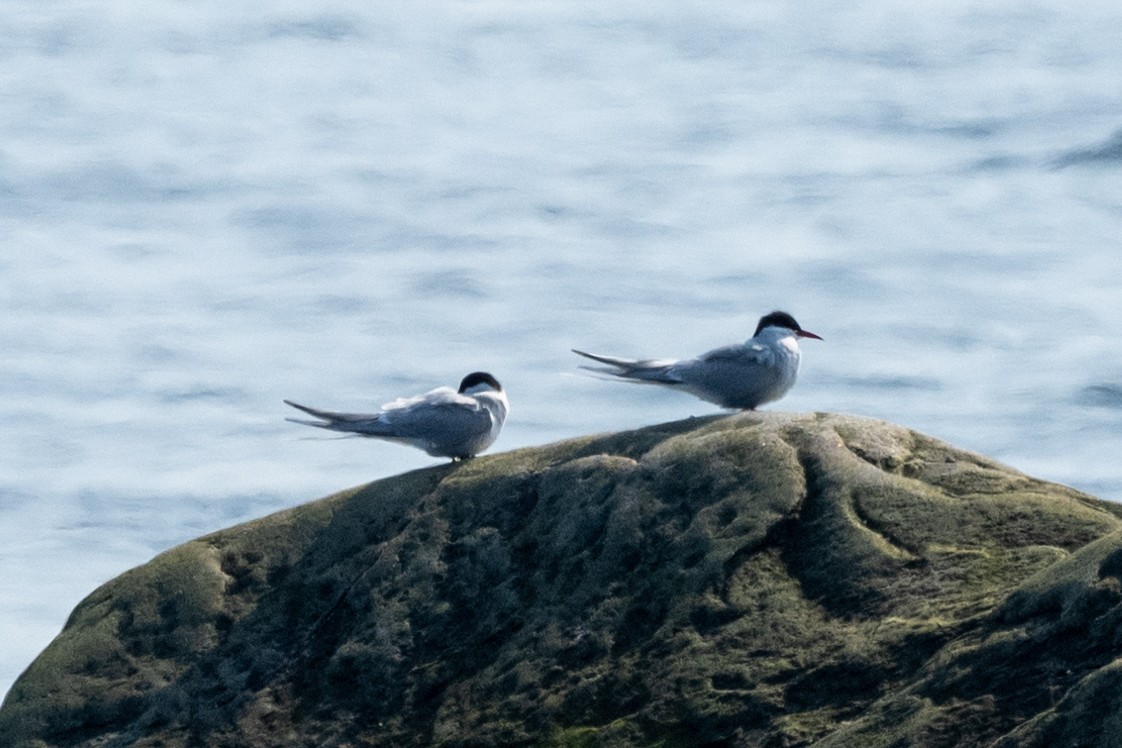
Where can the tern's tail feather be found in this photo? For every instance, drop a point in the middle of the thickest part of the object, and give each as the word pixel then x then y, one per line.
pixel 359 423
pixel 306 422
pixel 622 363
pixel 654 371
pixel 326 415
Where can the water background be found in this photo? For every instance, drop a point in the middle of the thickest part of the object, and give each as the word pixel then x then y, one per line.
pixel 207 207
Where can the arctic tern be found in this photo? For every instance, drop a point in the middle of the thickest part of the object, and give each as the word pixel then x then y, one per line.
pixel 743 376
pixel 444 422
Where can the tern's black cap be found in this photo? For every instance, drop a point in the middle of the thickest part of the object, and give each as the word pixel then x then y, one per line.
pixel 479 377
pixel 777 319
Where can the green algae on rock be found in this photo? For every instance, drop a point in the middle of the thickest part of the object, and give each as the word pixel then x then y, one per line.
pixel 756 579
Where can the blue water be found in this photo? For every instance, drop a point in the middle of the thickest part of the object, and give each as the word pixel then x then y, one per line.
pixel 206 207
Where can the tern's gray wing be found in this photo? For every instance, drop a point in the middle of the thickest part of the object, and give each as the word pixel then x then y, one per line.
pixel 392 414
pixel 735 376
pixel 449 422
pixel 407 419
pixel 440 425
pixel 741 355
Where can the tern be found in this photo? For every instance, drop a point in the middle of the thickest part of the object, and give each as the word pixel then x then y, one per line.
pixel 744 376
pixel 444 422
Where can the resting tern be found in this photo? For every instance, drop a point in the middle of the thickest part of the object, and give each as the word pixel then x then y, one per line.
pixel 743 376
pixel 444 422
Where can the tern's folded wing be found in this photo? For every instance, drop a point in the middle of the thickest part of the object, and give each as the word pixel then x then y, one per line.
pixel 744 355
pixel 443 421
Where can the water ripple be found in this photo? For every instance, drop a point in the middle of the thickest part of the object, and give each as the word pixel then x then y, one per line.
pixel 1101 396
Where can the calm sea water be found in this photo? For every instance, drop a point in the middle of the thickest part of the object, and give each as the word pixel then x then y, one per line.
pixel 207 207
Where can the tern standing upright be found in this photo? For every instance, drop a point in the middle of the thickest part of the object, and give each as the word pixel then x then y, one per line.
pixel 744 376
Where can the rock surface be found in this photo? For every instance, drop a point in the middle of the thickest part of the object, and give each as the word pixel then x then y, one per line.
pixel 759 579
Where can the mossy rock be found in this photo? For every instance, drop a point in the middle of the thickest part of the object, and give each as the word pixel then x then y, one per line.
pixel 758 579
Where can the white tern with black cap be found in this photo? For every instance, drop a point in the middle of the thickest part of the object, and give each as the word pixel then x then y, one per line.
pixel 444 422
pixel 744 376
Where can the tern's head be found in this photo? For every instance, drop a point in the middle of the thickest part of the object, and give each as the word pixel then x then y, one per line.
pixel 786 321
pixel 479 381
